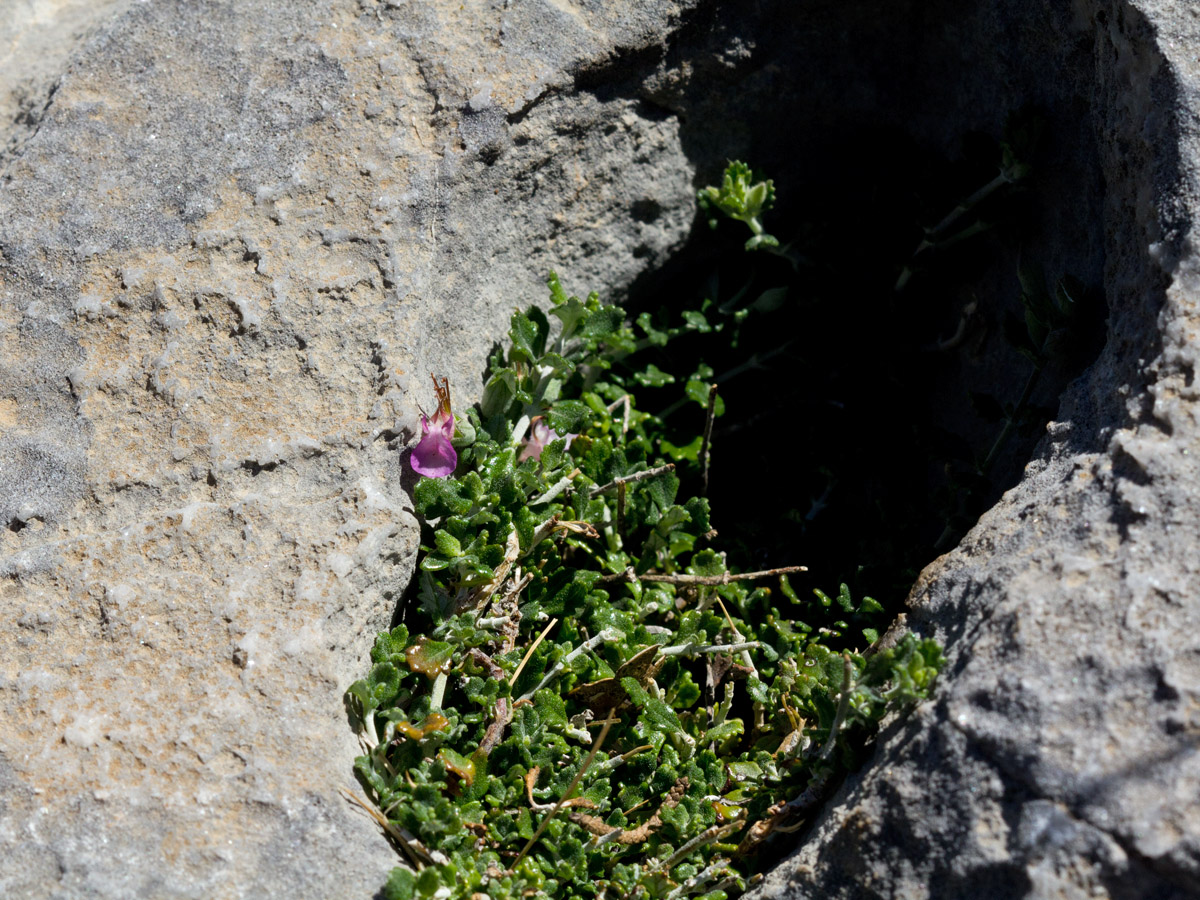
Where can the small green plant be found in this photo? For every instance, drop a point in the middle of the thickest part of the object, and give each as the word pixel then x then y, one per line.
pixel 741 197
pixel 588 700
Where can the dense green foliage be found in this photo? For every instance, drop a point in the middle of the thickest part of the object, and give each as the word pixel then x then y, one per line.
pixel 595 705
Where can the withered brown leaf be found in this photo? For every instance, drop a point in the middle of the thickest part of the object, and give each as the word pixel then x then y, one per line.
pixel 607 693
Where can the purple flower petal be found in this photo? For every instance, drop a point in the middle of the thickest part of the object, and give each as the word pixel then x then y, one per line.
pixel 540 434
pixel 434 456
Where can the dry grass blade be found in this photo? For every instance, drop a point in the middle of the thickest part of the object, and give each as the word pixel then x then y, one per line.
pixel 528 653
pixel 418 859
pixel 571 787
pixel 726 578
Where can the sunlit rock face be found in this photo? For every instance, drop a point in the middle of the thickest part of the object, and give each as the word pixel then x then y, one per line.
pixel 237 237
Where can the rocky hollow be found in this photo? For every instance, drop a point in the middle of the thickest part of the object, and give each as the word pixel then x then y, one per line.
pixel 235 238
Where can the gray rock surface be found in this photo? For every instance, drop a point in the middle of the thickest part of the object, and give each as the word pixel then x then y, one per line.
pixel 235 239
pixel 1058 758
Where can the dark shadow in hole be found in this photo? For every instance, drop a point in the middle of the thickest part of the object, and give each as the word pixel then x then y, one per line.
pixel 856 448
pixel 883 123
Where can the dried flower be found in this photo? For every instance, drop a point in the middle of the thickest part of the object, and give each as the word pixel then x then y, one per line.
pixel 540 434
pixel 434 456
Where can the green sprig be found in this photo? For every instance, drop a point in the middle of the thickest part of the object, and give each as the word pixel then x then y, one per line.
pixel 566 586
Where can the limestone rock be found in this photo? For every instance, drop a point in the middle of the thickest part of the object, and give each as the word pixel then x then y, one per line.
pixel 235 239
pixel 1058 756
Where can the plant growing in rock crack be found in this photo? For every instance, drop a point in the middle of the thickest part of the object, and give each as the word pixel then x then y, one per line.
pixel 594 703
pixel 742 198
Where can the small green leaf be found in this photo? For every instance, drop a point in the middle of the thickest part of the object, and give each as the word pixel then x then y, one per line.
pixel 687 451
pixel 757 690
pixel 656 337
pixel 844 599
pixel 401 885
pixel 528 334
pixel 706 563
pixel 557 295
pixel 551 708
pixel 525 824
pixel 437 497
pixel 653 376
pixel 389 645
pixel 698 511
pixel 428 881
pixel 447 544
pixel 602 323
pixel 698 391
pixel 558 363
pixel 723 732
pixel 499 393
pixel 383 683
pixel 569 416
pixel 696 321
pixel 571 313
pixel 553 454
pixel 655 711
pixel 745 771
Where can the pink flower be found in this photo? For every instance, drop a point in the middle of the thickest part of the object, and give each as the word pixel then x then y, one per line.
pixel 434 456
pixel 540 434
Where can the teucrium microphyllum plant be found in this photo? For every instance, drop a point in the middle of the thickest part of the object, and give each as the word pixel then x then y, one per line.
pixel 588 701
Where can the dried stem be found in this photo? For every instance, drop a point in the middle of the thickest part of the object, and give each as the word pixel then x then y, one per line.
pixel 708 424
pixel 416 851
pixel 557 523
pixel 715 833
pixel 842 708
pixel 620 509
pixel 495 731
pixel 726 578
pixel 629 479
pixel 625 421
pixel 608 634
pixel 528 653
pixel 571 787
pixel 681 649
pixel 555 489
pixel 811 796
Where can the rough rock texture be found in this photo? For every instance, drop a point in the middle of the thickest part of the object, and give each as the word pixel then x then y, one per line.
pixel 1059 755
pixel 235 239
pixel 36 39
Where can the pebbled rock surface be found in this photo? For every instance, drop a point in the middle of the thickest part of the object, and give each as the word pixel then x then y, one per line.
pixel 235 239
pixel 1060 756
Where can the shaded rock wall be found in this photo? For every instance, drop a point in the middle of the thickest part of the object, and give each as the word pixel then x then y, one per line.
pixel 1058 756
